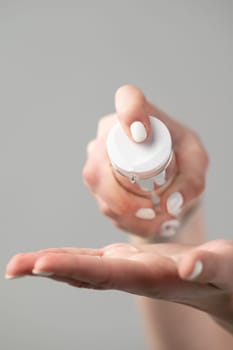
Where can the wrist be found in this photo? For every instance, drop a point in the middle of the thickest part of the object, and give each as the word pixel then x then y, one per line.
pixel 223 315
pixel 192 228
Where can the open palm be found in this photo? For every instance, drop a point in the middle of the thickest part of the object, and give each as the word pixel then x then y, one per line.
pixel 162 271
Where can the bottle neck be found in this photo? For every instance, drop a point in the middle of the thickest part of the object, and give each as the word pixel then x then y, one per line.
pixel 154 180
pixel 134 176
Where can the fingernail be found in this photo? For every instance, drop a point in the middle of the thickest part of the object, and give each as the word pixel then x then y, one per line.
pixel 145 213
pixel 174 203
pixel 42 273
pixel 169 228
pixel 138 131
pixel 196 271
pixel 12 277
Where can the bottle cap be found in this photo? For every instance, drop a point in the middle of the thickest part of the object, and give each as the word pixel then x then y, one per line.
pixel 140 159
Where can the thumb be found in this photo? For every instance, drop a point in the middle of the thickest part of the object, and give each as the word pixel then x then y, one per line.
pixel 131 109
pixel 213 266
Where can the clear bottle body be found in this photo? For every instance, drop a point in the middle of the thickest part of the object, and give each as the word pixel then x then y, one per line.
pixel 145 169
pixel 153 183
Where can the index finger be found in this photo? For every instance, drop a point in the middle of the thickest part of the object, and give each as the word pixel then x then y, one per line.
pixel 131 109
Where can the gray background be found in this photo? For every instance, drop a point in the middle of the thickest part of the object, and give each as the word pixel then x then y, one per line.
pixel 60 64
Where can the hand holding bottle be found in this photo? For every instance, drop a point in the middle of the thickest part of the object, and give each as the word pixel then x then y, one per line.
pixel 130 210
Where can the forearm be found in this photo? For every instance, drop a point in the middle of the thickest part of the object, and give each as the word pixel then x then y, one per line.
pixel 174 326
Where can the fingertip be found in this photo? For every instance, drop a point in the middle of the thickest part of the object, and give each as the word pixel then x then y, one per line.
pixel 192 272
pixel 15 262
pixel 131 108
pixel 19 265
pixel 190 268
pixel 185 267
pixel 12 277
pixel 125 91
pixel 196 271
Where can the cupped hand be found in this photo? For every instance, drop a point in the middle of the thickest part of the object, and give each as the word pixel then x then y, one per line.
pixel 199 276
pixel 131 212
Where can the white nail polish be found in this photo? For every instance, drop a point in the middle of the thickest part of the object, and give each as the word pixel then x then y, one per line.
pixel 169 228
pixel 12 277
pixel 196 271
pixel 42 273
pixel 138 131
pixel 174 203
pixel 145 213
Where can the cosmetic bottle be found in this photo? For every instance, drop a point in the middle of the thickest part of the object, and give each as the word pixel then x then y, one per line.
pixel 147 168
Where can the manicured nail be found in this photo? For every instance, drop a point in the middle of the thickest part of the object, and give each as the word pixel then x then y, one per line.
pixel 12 277
pixel 196 271
pixel 145 213
pixel 42 273
pixel 174 203
pixel 138 131
pixel 169 228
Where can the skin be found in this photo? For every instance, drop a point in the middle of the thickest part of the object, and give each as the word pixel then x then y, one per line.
pixel 159 274
pixel 121 205
pixel 159 271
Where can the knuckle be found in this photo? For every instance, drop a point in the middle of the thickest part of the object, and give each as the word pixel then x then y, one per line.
pixel 90 176
pixel 118 225
pixel 104 123
pixel 197 147
pixel 101 124
pixel 106 210
pixel 125 207
pixel 192 134
pixel 196 185
pixel 103 120
pixel 91 146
